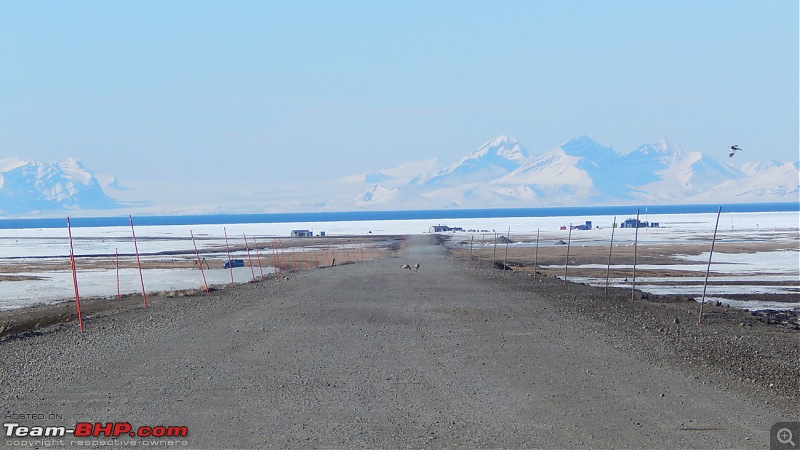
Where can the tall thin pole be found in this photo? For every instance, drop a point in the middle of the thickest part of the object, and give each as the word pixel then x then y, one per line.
pixel 508 238
pixel 494 252
pixel 199 262
pixel 275 262
pixel 469 258
pixel 74 277
pixel 536 256
pixel 249 259
pixel 635 250
pixel 480 252
pixel 116 254
pixel 708 269
pixel 569 242
pixel 138 261
pixel 228 249
pixel 258 257
pixel 610 247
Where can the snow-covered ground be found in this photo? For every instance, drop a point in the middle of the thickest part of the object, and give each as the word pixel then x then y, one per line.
pixel 26 247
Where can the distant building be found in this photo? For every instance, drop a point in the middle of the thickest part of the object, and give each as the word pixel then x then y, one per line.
pixel 586 226
pixel 302 233
pixel 633 223
pixel 443 229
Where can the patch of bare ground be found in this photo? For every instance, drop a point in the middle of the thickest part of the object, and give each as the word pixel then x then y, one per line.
pixel 754 352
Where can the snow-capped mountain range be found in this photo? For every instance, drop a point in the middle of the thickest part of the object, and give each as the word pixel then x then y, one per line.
pixel 30 186
pixel 501 173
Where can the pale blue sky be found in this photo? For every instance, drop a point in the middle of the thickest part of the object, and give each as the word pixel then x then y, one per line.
pixel 267 90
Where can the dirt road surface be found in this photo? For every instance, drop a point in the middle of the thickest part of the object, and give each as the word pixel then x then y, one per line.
pixel 371 355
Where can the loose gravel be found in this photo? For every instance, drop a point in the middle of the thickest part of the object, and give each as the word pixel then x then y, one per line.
pixel 372 355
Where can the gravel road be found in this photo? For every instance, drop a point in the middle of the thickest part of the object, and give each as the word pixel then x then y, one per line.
pixel 372 355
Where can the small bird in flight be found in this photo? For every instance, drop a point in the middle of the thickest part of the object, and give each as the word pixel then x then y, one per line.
pixel 734 149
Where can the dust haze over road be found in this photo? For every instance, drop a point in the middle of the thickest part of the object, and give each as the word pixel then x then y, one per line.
pixel 372 355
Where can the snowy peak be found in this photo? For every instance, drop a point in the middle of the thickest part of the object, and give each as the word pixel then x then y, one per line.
pixel 754 168
pixel 503 147
pixel 586 148
pixel 377 194
pixel 405 173
pixel 500 151
pixel 32 186
pixel 11 164
pixel 500 173
pixel 493 159
pixel 665 152
pixel 74 169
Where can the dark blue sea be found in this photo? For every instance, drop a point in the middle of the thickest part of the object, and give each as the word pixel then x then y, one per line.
pixel 347 216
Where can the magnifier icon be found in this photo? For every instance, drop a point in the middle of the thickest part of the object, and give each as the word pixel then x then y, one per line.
pixel 784 436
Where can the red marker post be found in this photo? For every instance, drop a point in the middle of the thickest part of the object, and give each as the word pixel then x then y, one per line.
pixel 228 249
pixel 249 259
pixel 258 257
pixel 138 261
pixel 199 262
pixel 275 258
pixel 283 254
pixel 116 253
pixel 74 277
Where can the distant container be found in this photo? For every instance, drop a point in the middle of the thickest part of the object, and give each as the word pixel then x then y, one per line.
pixel 302 233
pixel 322 234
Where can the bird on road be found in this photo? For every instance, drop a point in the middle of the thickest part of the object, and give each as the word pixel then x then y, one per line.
pixel 733 150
